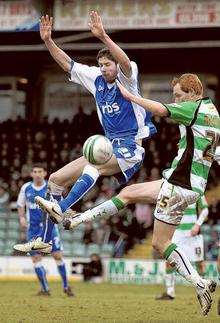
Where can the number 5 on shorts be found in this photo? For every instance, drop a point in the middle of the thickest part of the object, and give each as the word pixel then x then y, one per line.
pixel 163 202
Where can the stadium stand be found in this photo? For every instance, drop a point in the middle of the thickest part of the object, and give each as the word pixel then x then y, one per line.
pixel 55 144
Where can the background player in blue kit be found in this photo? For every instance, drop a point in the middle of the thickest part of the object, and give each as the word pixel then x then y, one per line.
pixel 31 219
pixel 124 123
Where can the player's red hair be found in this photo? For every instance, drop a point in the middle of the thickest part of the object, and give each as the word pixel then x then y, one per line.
pixel 188 83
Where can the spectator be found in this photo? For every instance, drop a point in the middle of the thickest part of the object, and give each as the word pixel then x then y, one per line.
pixel 92 272
pixel 4 198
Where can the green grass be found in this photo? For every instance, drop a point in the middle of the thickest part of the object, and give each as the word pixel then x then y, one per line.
pixel 99 303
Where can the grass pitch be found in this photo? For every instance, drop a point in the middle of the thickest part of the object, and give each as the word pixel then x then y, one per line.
pixel 99 303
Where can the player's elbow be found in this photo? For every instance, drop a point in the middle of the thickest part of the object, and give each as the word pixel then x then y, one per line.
pixel 66 67
pixel 160 110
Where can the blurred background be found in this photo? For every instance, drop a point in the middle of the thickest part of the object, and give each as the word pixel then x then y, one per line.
pixel 45 118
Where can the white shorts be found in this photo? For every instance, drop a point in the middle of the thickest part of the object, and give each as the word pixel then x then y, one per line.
pixel 167 191
pixel 130 156
pixel 193 247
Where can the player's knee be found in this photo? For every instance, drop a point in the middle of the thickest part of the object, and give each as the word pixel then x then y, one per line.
pixel 57 256
pixel 54 178
pixel 36 259
pixel 55 182
pixel 127 194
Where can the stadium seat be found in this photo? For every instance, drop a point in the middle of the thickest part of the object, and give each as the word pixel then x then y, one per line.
pixel 14 224
pixel 67 250
pixel 78 249
pixel 77 235
pixel 66 235
pixel 93 248
pixel 10 242
pixel 3 224
pixel 4 215
pixel 216 227
pixel 7 251
pixel 12 234
pixel 2 246
pixel 14 214
pixel 2 234
pixel 107 250
pixel 205 228
pixel 207 238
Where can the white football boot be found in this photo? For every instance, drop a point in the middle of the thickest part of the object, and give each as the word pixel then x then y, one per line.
pixel 34 245
pixel 204 291
pixel 52 208
pixel 72 222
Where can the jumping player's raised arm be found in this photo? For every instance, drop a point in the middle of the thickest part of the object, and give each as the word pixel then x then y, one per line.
pixel 57 53
pixel 120 56
pixel 154 107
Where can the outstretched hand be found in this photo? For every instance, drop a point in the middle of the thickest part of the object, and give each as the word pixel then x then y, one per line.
pixel 96 25
pixel 126 94
pixel 46 23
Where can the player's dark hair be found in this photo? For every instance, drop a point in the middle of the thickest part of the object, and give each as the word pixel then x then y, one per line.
pixel 105 52
pixel 39 165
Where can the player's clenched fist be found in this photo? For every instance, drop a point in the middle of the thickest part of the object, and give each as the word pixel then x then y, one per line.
pixel 46 23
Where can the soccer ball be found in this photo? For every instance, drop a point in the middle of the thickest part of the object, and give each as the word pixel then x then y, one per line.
pixel 97 150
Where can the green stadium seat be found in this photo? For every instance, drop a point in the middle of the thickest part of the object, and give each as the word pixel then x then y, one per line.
pixel 14 224
pixel 14 235
pixel 215 252
pixel 77 235
pixel 2 234
pixel 7 251
pixel 4 215
pixel 14 215
pixel 216 227
pixel 67 250
pixel 78 249
pixel 2 246
pixel 3 224
pixel 207 238
pixel 107 249
pixel 66 235
pixel 206 228
pixel 66 244
pixel 93 248
pixel 9 243
pixel 80 227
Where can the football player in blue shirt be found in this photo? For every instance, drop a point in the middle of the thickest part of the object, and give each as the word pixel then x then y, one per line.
pixel 31 219
pixel 124 123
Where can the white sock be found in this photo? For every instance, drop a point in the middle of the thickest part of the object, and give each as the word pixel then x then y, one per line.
pixel 178 260
pixel 108 208
pixel 170 283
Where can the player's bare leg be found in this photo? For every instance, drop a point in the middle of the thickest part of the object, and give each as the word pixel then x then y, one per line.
pixel 70 173
pixel 136 193
pixel 162 236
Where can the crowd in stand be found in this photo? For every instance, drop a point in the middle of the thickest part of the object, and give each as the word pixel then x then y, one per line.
pixel 24 142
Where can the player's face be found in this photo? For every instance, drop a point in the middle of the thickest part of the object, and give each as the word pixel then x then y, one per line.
pixel 38 175
pixel 179 95
pixel 108 69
